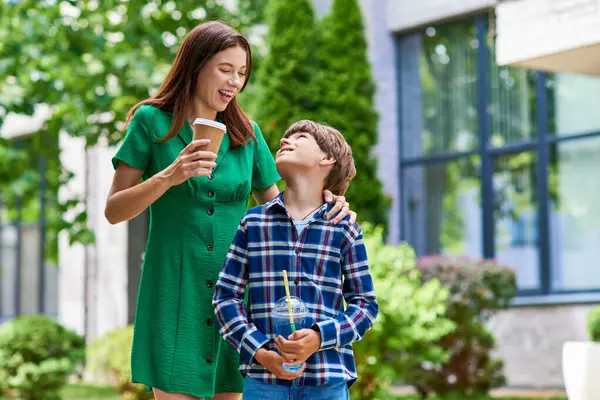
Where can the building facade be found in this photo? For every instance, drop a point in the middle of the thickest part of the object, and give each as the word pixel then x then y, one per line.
pixel 498 144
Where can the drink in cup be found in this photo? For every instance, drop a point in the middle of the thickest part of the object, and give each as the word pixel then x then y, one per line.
pixel 209 129
pixel 283 323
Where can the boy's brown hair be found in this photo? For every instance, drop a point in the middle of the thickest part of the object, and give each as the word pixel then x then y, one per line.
pixel 332 143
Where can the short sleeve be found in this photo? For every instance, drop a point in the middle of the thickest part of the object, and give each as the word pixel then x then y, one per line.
pixel 136 148
pixel 264 172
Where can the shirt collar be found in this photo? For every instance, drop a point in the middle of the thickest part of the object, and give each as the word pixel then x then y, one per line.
pixel 277 202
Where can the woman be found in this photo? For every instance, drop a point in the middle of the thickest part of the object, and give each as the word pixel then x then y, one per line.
pixel 196 200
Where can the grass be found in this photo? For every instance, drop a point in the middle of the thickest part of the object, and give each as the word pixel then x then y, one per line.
pixel 89 392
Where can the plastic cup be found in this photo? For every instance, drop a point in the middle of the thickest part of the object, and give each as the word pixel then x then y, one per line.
pixel 281 319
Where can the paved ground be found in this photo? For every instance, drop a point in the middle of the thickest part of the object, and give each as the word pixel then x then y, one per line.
pixel 529 393
pixel 505 392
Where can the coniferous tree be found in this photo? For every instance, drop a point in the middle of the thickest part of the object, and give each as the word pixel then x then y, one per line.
pixel 286 83
pixel 346 102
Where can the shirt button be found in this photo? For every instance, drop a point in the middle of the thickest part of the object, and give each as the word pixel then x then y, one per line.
pixel 209 360
pixel 211 194
pixel 210 211
pixel 210 247
pixel 209 322
pixel 209 284
pixel 211 176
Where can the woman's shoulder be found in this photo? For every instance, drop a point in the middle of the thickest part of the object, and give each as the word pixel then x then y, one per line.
pixel 148 110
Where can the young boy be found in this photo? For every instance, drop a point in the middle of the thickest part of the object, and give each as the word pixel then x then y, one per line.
pixel 325 264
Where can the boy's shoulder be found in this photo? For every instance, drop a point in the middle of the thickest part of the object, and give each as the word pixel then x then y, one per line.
pixel 256 213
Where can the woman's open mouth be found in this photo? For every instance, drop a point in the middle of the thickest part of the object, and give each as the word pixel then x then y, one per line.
pixel 226 95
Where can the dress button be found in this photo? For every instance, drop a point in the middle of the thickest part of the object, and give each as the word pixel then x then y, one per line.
pixel 209 322
pixel 210 211
pixel 211 194
pixel 210 247
pixel 209 360
pixel 209 284
pixel 211 176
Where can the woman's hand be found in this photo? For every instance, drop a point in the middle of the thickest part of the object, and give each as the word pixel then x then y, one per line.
pixel 341 208
pixel 191 162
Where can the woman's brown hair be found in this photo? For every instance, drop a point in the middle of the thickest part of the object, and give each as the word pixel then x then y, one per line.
pixel 175 93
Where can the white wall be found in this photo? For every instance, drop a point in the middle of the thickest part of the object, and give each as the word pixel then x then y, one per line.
pixel 408 14
pixel 558 36
pixel 106 260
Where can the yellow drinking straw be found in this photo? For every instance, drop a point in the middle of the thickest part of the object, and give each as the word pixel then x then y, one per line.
pixel 287 295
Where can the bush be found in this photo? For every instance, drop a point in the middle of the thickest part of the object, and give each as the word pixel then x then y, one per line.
pixel 410 322
pixel 593 324
pixel 37 355
pixel 478 288
pixel 110 357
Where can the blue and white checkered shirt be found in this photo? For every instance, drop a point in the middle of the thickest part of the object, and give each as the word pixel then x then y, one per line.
pixel 326 265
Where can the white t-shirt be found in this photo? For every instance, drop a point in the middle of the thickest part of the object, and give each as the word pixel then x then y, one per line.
pixel 300 226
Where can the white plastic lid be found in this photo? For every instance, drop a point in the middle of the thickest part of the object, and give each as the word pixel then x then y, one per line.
pixel 298 307
pixel 209 122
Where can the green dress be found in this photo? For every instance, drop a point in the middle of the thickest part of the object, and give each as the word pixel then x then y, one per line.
pixel 176 345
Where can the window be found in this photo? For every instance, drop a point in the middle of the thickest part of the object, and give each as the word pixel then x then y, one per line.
pixel 28 280
pixel 498 162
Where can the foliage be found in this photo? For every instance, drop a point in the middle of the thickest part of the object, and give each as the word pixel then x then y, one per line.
pixel 286 88
pixel 411 319
pixel 593 324
pixel 110 356
pixel 346 102
pixel 36 357
pixel 89 62
pixel 479 288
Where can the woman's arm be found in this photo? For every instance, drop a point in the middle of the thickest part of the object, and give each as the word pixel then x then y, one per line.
pixel 127 199
pixel 265 195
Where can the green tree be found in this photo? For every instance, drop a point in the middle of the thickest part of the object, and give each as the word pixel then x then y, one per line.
pixel 346 102
pixel 287 90
pixel 89 61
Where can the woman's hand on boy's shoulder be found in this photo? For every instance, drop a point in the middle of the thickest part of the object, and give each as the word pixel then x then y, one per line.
pixel 272 362
pixel 341 208
pixel 300 345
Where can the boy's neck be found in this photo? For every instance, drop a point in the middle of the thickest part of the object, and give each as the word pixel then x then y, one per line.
pixel 302 197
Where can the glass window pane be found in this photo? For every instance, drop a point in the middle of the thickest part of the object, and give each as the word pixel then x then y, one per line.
pixel 575 214
pixel 441 208
pixel 448 101
pixel 512 105
pixel 573 104
pixel 30 269
pixel 8 270
pixel 515 216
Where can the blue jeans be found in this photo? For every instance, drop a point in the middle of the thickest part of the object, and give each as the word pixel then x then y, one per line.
pixel 255 390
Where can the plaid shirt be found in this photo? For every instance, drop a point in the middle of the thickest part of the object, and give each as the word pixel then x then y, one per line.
pixel 326 265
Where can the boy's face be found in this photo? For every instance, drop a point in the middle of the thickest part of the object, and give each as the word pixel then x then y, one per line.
pixel 300 151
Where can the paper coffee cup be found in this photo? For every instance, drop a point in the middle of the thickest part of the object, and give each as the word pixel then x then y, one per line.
pixel 208 129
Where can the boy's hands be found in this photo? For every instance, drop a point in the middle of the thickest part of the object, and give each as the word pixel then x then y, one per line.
pixel 299 345
pixel 272 361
